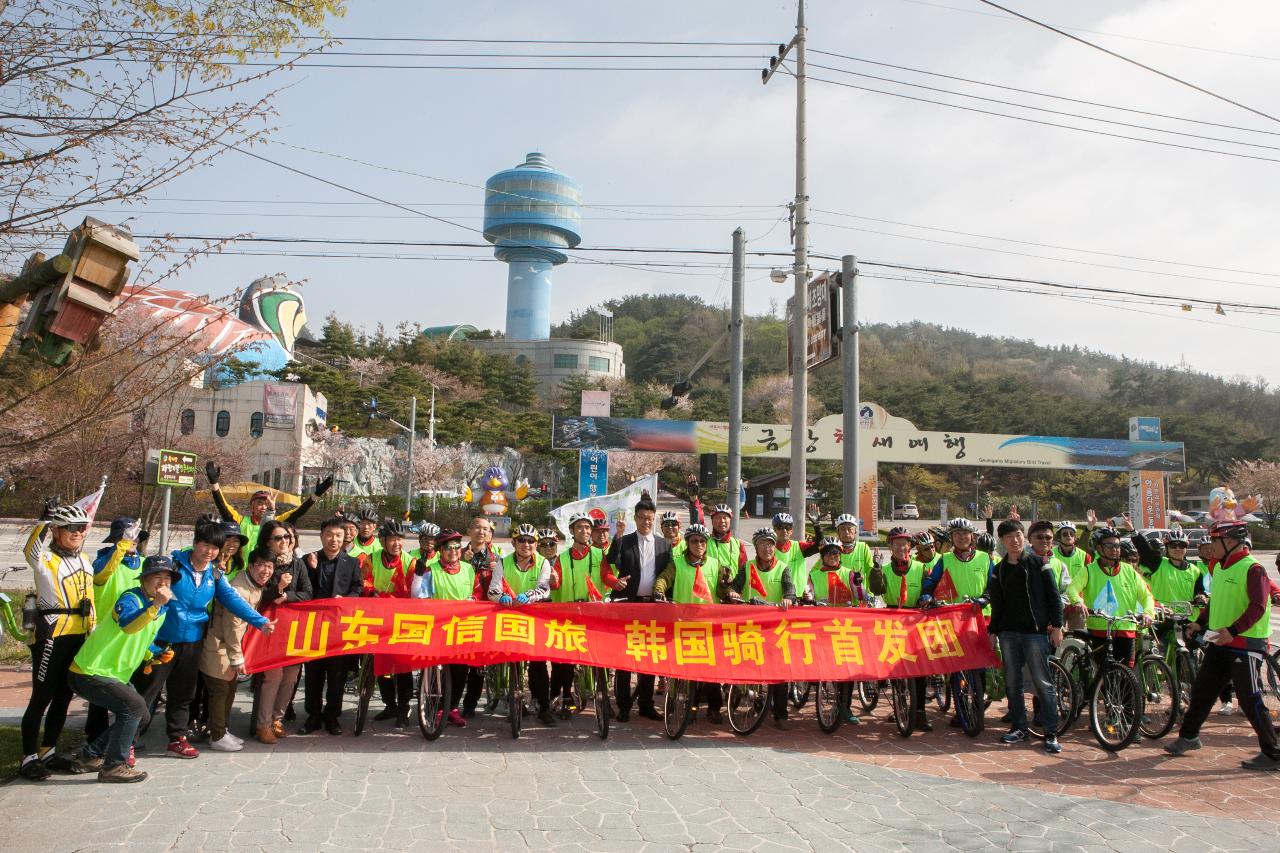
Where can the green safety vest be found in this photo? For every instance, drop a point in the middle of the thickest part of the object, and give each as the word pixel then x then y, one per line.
pixel 1170 583
pixel 680 547
pixel 725 554
pixel 772 579
pixel 574 574
pixel 818 575
pixel 374 546
pixel 857 560
pixel 382 574
pixel 251 531
pixel 517 578
pixel 1130 590
pixel 434 561
pixel 893 582
pixel 454 587
pixel 685 573
pixel 111 653
pixel 1230 599
pixel 794 561
pixel 121 580
pixel 1075 563
pixel 969 577
pixel 1061 571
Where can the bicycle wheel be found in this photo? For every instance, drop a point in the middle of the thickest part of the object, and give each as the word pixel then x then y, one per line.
pixel 826 702
pixel 941 696
pixel 1271 687
pixel 904 706
pixel 798 694
pixel 746 705
pixel 599 679
pixel 1159 697
pixel 1186 675
pixel 868 695
pixel 1065 692
pixel 433 698
pixel 966 692
pixel 1079 667
pixel 364 693
pixel 515 698
pixel 1115 706
pixel 677 709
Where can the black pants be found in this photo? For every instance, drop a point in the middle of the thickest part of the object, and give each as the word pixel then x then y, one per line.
pixel 323 683
pixel 50 693
pixel 710 694
pixel 539 682
pixel 918 688
pixel 112 743
pixel 470 678
pixel 1242 669
pixel 644 691
pixel 96 721
pixel 778 699
pixel 396 690
pixel 1121 647
pixel 178 680
pixel 562 681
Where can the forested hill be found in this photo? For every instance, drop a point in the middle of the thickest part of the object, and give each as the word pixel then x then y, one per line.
pixel 941 379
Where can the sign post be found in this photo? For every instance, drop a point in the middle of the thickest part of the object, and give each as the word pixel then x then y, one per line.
pixel 593 465
pixel 173 468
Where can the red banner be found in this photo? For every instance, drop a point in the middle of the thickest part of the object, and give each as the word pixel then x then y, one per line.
pixel 727 644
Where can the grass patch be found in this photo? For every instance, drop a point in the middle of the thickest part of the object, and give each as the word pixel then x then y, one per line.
pixel 11 748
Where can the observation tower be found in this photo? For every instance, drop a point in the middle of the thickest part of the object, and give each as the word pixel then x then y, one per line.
pixel 532 213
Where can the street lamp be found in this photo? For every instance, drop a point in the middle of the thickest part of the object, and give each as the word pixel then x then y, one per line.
pixel 372 410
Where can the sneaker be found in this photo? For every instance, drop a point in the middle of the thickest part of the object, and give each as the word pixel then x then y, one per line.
pixel 62 765
pixel 133 758
pixel 179 748
pixel 1015 736
pixel 388 713
pixel 923 724
pixel 565 712
pixel 1226 709
pixel 546 717
pixel 121 773
pixel 851 718
pixel 90 763
pixel 233 738
pixel 1052 746
pixel 34 769
pixel 455 719
pixel 225 744
pixel 1182 746
pixel 1261 761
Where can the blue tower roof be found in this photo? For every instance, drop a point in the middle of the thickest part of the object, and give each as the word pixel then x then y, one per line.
pixel 532 212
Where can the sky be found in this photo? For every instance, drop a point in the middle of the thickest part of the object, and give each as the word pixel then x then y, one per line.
pixel 681 158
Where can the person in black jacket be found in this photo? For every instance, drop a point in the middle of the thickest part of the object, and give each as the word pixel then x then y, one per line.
pixel 1026 614
pixel 632 565
pixel 334 574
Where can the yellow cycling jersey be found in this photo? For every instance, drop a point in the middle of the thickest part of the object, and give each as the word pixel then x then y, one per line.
pixel 62 583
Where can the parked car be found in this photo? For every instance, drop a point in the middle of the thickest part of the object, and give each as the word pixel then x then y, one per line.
pixel 1194 534
pixel 906 511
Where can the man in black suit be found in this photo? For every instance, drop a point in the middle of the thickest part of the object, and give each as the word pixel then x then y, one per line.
pixel 632 565
pixel 334 574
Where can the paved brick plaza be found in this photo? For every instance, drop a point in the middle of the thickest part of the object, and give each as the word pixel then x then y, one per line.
pixel 476 789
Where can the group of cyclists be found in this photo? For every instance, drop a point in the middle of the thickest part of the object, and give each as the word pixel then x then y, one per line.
pixel 123 631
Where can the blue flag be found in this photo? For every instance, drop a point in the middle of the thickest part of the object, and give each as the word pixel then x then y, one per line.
pixel 1106 601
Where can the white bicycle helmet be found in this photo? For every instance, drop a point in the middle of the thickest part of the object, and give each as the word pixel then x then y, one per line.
pixel 697 530
pixel 962 525
pixel 722 508
pixel 574 518
pixel 67 514
pixel 426 528
pixel 764 533
pixel 784 519
pixel 846 518
pixel 525 531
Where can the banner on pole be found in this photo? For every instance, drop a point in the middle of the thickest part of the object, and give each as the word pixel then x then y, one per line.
pixel 613 506
pixel 593 474
pixel 717 643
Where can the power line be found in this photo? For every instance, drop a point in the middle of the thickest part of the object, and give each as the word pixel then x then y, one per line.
pixel 1127 59
pixel 1044 123
pixel 1081 101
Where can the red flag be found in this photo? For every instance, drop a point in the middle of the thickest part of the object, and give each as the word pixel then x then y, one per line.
pixel 593 593
pixel 946 589
pixel 837 591
pixel 756 582
pixel 700 588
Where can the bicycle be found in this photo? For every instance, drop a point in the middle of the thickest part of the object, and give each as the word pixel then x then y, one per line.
pixel 830 698
pixel 7 620
pixel 1160 692
pixel 677 707
pixel 365 683
pixel 433 698
pixel 592 681
pixel 903 704
pixel 1065 692
pixel 747 705
pixel 1181 655
pixel 1115 694
pixel 515 697
pixel 798 693
pixel 966 687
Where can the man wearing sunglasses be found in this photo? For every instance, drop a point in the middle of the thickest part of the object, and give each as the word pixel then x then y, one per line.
pixel 64 598
pixel 525 578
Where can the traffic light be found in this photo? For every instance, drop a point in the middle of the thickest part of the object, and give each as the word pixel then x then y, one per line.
pixel 71 309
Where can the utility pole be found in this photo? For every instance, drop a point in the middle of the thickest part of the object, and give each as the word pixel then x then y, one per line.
pixel 735 376
pixel 852 394
pixel 800 271
pixel 408 490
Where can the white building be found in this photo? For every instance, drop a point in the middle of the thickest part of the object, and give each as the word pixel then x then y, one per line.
pixel 270 422
pixel 556 358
